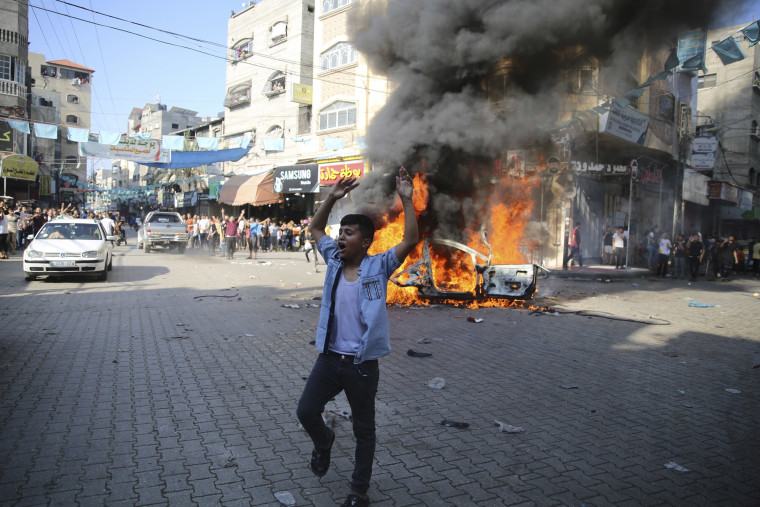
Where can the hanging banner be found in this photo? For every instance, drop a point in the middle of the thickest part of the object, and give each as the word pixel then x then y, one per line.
pixel 132 149
pixel 20 167
pixel 691 44
pixel 6 137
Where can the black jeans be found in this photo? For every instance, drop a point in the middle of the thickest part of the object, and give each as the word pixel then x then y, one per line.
pixel 331 375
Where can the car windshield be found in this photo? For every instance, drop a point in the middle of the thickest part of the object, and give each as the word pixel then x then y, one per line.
pixel 70 231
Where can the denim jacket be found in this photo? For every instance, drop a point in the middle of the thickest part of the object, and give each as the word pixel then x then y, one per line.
pixel 374 272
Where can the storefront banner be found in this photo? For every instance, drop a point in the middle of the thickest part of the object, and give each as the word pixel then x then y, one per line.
pixel 745 201
pixel 703 150
pixel 625 123
pixel 295 179
pixel 185 199
pixel 330 173
pixel 20 167
pixel 132 149
pixel 724 191
pixel 696 186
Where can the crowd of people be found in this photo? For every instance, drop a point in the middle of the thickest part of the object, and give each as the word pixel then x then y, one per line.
pixel 251 235
pixel 685 255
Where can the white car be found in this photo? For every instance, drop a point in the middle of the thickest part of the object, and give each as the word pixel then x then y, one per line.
pixel 69 247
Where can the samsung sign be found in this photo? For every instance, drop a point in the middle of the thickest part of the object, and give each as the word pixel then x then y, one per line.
pixel 294 179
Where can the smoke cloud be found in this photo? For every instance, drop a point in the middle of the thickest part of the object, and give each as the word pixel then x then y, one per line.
pixel 440 53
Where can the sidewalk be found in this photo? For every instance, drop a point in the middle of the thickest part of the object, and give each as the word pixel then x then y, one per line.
pixel 596 270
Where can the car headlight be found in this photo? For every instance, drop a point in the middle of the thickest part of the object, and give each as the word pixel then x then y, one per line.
pixel 92 254
pixel 34 254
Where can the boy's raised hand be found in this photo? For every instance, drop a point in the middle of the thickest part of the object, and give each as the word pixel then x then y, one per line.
pixel 343 186
pixel 404 185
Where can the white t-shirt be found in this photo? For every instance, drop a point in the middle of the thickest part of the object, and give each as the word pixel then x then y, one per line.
pixel 108 225
pixel 204 225
pixel 665 246
pixel 618 240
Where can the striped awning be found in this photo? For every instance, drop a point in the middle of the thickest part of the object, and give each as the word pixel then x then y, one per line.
pixel 256 190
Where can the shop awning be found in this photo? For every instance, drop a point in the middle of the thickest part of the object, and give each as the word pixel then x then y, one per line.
pixel 246 189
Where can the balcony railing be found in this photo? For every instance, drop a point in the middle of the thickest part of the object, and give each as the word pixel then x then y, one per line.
pixel 8 87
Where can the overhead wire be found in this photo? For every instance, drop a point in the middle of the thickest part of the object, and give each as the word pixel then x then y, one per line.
pixel 103 61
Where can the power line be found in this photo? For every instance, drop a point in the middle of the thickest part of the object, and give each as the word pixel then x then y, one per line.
pixel 108 82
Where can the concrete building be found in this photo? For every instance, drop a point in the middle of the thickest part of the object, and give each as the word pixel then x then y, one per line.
pixel 269 79
pixel 66 87
pixel 347 95
pixel 729 108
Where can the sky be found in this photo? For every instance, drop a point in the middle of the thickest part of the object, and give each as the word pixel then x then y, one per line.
pixel 132 69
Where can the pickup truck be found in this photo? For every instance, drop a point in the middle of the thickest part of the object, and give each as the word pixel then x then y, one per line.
pixel 164 229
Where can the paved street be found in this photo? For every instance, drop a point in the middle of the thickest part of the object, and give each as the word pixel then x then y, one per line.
pixel 175 383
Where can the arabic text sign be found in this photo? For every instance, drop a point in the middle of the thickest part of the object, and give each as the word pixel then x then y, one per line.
pixel 128 149
pixel 20 167
pixel 691 44
pixel 329 174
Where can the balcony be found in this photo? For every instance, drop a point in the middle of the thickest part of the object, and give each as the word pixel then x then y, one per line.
pixel 8 87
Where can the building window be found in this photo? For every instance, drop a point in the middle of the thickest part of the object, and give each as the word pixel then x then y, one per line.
pixel 331 5
pixel 279 32
pixel 12 69
pixel 72 159
pixel 72 99
pixel 175 126
pixel 242 49
pixel 275 85
pixel 48 71
pixel 238 95
pixel 754 132
pixel 70 118
pixel 752 180
pixel 77 78
pixel 707 81
pixel 339 114
pixel 338 55
pixel 275 131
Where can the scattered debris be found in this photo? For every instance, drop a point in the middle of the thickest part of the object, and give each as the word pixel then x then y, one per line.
pixel 250 335
pixel 675 466
pixel 425 340
pixel 342 413
pixel 670 354
pixel 313 342
pixel 733 391
pixel 212 296
pixel 437 383
pixel 291 306
pixel 508 428
pixel 473 319
pixel 568 386
pixel 412 353
pixel 454 424
pixel 285 498
pixel 697 304
pixel 636 285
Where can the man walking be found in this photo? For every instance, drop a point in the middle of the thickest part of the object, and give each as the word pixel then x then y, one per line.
pixel 353 329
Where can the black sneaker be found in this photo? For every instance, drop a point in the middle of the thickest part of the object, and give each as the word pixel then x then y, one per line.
pixel 320 459
pixel 356 500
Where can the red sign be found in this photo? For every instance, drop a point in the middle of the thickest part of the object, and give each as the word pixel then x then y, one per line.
pixel 724 191
pixel 329 174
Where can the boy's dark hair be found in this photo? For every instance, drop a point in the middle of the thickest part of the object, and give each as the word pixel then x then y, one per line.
pixel 366 227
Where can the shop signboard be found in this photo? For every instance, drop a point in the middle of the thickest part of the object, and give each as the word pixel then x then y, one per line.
pixel 330 173
pixel 301 93
pixel 696 187
pixel 724 191
pixel 703 150
pixel 295 179
pixel 20 167
pixel 625 123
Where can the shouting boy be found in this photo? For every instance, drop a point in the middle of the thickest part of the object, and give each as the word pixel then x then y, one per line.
pixel 353 329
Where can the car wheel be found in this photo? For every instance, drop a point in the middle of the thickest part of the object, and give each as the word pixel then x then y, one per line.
pixel 181 248
pixel 29 277
pixel 110 264
pixel 147 247
pixel 103 275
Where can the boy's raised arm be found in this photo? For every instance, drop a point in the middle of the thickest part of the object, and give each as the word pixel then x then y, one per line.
pixel 405 189
pixel 319 222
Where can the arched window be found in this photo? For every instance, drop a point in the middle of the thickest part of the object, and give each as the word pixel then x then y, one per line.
pixel 243 49
pixel 338 55
pixel 279 32
pixel 70 118
pixel 275 131
pixel 72 99
pixel 276 84
pixel 338 114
